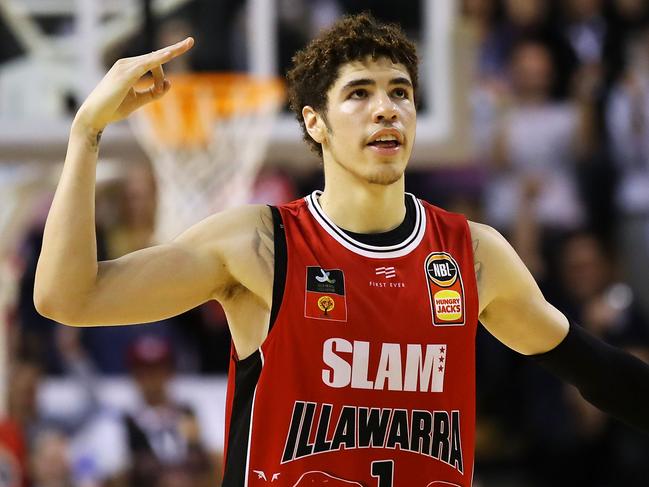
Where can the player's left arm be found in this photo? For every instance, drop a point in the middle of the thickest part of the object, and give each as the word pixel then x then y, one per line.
pixel 512 306
pixel 513 309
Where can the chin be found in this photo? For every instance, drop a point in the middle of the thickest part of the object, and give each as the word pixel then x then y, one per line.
pixel 385 177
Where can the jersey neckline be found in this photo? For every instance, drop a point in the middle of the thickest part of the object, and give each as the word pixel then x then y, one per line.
pixel 407 245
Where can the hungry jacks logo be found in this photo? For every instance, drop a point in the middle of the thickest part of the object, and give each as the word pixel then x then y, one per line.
pixel 325 294
pixel 445 289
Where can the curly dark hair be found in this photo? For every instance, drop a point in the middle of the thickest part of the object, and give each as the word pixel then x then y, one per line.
pixel 353 38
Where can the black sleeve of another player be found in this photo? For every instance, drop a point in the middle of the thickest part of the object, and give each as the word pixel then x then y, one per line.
pixel 610 379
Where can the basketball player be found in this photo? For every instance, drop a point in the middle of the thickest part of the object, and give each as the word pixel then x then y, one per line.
pixel 353 311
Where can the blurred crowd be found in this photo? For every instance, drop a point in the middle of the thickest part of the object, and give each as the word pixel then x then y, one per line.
pixel 559 106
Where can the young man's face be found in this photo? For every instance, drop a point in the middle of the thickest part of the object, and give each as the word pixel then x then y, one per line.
pixel 370 120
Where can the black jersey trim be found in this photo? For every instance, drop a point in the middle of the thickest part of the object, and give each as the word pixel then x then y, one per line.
pixel 383 251
pixel 374 248
pixel 247 372
pixel 394 236
pixel 281 260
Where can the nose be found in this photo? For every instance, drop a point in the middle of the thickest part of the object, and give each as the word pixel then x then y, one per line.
pixel 385 109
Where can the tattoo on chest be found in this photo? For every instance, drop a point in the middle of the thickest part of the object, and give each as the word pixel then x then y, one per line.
pixel 264 244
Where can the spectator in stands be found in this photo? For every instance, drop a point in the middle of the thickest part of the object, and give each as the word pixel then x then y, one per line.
pixel 36 334
pixel 632 12
pixel 26 376
pixel 524 19
pixel 576 444
pixel 535 147
pixel 489 87
pixel 21 408
pixel 50 466
pixel 628 128
pixel 590 292
pixel 35 443
pixel 163 436
pixel 482 15
pixel 137 204
pixel 586 29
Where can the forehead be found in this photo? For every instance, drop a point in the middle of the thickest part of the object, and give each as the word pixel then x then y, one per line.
pixel 380 69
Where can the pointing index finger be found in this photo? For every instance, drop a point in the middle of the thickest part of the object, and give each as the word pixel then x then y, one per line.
pixel 166 54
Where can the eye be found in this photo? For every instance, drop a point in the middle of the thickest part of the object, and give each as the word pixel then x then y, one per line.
pixel 400 93
pixel 358 94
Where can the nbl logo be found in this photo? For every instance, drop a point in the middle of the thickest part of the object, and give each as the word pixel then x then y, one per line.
pixel 445 288
pixel 442 269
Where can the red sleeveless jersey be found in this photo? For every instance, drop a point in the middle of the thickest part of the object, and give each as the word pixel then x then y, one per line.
pixel 367 376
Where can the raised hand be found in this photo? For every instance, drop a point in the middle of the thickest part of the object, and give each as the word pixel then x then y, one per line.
pixel 115 97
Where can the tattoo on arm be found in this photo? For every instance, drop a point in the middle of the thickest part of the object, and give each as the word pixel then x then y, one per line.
pixel 94 143
pixel 477 265
pixel 264 241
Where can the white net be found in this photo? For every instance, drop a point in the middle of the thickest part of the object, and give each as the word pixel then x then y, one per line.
pixel 206 139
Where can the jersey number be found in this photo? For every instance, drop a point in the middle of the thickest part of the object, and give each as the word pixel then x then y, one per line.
pixel 384 471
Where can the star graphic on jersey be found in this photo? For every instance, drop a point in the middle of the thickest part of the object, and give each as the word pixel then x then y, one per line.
pixel 275 477
pixel 441 359
pixel 441 369
pixel 442 349
pixel 260 475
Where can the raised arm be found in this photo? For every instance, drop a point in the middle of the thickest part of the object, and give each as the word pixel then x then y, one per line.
pixel 72 287
pixel 515 312
pixel 211 260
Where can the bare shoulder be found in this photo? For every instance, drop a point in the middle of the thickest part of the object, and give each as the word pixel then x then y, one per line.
pixel 499 269
pixel 241 239
pixel 485 233
pixel 483 239
pixel 490 247
pixel 228 224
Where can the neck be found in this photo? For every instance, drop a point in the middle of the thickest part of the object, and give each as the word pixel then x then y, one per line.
pixel 361 207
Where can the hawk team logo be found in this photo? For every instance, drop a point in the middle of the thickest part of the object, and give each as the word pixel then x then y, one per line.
pixel 445 289
pixel 325 294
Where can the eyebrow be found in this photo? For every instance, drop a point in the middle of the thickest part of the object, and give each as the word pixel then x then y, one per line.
pixel 368 81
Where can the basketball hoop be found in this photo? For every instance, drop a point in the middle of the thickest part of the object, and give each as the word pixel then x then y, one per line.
pixel 206 139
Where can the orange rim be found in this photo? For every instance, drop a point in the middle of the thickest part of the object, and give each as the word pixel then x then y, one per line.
pixel 184 117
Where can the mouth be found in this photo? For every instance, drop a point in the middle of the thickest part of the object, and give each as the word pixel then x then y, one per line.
pixel 386 142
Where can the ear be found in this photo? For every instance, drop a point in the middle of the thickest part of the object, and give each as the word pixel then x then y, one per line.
pixel 314 124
